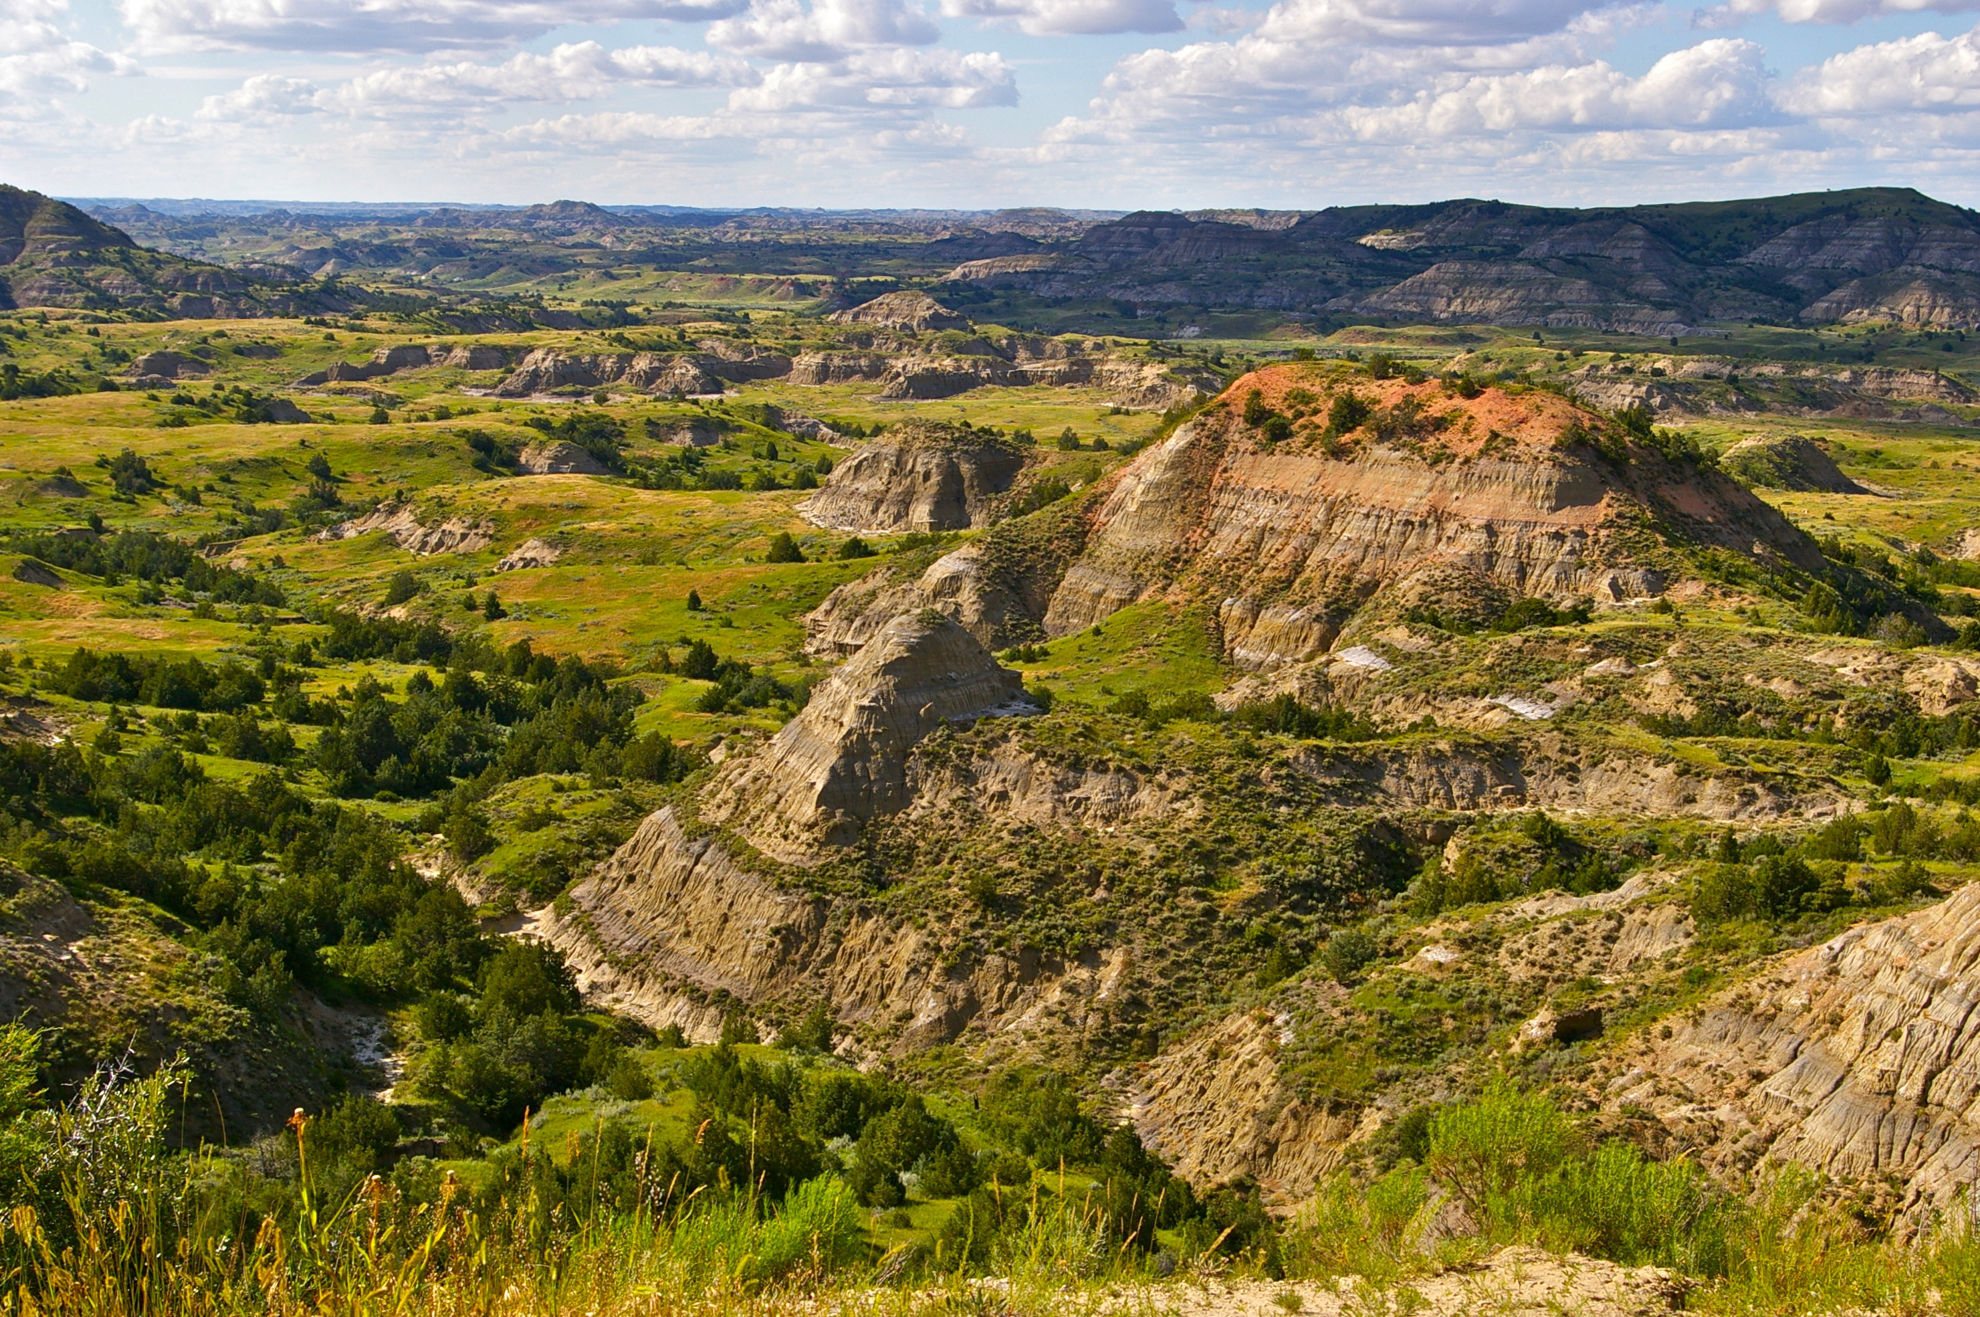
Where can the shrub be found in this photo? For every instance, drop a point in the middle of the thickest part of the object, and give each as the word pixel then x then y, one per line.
pixel 1483 1150
pixel 1347 953
pixel 783 549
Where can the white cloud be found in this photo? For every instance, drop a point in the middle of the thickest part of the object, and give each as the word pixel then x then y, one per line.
pixel 1831 11
pixel 580 71
pixel 612 130
pixel 827 30
pixel 1073 17
pixel 885 80
pixel 263 94
pixel 1718 82
pixel 39 62
pixel 1419 22
pixel 1927 72
pixel 383 25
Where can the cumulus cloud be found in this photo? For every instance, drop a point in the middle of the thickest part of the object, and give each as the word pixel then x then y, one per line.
pixel 384 25
pixel 885 79
pixel 263 94
pixel 39 62
pixel 1419 22
pixel 1928 73
pixel 579 71
pixel 1830 11
pixel 1718 82
pixel 826 30
pixel 1072 17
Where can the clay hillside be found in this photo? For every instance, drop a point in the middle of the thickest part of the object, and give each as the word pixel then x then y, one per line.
pixel 920 476
pixel 1307 496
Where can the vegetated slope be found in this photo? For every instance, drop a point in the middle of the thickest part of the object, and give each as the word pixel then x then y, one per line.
pixel 1306 493
pixel 54 255
pixel 106 975
pixel 919 476
pixel 1866 254
pixel 1789 461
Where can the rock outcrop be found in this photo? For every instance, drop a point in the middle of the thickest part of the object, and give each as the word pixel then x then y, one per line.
pixel 1859 1058
pixel 558 458
pixel 530 553
pixel 409 356
pixel 166 366
pixel 1723 387
pixel 996 587
pixel 680 913
pixel 843 760
pixel 908 311
pixel 547 370
pixel 400 522
pixel 918 476
pixel 672 930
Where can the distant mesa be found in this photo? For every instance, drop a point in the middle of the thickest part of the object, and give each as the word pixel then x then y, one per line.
pixel 1863 255
pixel 910 312
pixel 166 367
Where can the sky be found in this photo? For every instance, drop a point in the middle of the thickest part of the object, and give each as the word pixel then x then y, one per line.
pixel 1113 104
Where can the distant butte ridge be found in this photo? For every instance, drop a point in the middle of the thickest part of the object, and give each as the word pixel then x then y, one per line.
pixel 1871 254
pixel 1887 255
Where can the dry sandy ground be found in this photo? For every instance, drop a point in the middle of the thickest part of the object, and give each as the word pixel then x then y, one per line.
pixel 1514 1282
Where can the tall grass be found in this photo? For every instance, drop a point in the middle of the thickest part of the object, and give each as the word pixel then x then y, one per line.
pixel 118 1228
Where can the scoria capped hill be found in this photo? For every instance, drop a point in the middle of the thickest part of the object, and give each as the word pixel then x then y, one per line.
pixel 1308 493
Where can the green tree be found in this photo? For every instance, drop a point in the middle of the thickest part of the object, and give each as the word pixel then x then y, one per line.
pixel 783 549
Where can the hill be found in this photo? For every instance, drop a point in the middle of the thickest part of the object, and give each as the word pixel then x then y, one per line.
pixel 54 255
pixel 1307 496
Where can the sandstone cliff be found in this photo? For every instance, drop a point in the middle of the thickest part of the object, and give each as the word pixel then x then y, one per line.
pixel 918 476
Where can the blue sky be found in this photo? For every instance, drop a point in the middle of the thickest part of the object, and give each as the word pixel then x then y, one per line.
pixel 979 103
